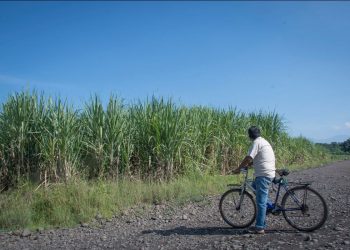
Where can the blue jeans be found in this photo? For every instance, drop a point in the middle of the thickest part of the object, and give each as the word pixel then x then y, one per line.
pixel 261 185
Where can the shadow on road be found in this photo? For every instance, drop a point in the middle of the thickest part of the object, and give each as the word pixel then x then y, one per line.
pixel 208 231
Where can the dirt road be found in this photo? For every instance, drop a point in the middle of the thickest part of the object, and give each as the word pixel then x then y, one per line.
pixel 199 225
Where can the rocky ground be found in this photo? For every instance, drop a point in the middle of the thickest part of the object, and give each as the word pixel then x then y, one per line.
pixel 198 225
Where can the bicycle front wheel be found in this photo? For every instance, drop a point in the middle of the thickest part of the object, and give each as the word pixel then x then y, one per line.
pixel 304 208
pixel 236 213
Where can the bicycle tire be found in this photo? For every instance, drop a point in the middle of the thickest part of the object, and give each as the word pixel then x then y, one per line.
pixel 318 203
pixel 248 203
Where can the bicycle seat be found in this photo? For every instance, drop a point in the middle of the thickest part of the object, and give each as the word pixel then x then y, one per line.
pixel 282 172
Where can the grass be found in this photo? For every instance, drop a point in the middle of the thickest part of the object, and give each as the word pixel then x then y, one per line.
pixel 78 201
pixel 66 205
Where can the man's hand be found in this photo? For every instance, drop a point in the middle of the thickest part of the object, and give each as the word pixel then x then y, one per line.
pixel 279 171
pixel 247 161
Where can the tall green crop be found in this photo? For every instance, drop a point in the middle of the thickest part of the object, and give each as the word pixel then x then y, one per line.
pixel 106 151
pixel 45 139
pixel 59 140
pixel 159 133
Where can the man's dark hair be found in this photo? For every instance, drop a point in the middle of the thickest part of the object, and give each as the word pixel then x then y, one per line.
pixel 253 132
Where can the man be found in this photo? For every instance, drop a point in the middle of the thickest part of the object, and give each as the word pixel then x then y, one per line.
pixel 262 157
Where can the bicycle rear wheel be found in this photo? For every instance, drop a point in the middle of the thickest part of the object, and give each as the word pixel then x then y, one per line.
pixel 235 216
pixel 304 208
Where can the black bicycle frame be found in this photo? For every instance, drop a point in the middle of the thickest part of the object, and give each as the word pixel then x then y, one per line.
pixel 291 194
pixel 281 182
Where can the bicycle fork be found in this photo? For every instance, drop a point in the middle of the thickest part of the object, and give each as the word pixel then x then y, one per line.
pixel 241 198
pixel 242 192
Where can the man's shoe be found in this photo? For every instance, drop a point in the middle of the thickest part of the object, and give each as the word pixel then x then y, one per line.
pixel 255 230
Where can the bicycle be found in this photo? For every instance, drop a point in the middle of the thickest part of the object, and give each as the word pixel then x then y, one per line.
pixel 299 204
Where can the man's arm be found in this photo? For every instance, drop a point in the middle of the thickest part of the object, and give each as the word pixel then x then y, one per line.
pixel 247 161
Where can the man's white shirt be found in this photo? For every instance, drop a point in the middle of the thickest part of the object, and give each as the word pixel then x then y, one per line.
pixel 263 158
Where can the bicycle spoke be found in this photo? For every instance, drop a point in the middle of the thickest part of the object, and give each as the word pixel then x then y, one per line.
pixel 241 217
pixel 304 209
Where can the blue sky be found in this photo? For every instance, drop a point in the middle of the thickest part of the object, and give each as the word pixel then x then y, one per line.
pixel 292 57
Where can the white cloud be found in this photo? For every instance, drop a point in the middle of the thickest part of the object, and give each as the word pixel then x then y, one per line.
pixel 11 80
pixel 347 124
pixel 336 127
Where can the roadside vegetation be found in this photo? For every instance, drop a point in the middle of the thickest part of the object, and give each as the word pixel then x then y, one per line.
pixel 336 148
pixel 59 165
